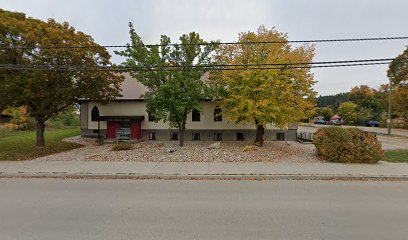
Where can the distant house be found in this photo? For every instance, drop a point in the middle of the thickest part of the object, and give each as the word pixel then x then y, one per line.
pixel 127 117
pixel 336 119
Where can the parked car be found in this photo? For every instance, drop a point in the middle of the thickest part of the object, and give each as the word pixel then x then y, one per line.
pixel 321 122
pixel 372 124
pixel 333 122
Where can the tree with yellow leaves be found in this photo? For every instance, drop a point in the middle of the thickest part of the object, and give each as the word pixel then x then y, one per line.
pixel 274 95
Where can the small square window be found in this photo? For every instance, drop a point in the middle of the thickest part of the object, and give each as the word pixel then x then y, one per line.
pixel 240 136
pixel 152 136
pixel 196 136
pixel 217 136
pixel 174 136
pixel 95 131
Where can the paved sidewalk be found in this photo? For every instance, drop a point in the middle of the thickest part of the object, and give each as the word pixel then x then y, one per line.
pixel 188 170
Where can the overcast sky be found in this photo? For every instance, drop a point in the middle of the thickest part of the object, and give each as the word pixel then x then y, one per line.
pixel 107 21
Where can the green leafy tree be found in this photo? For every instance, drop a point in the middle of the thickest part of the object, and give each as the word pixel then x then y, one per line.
pixel 68 117
pixel 173 93
pixel 271 96
pixel 400 101
pixel 364 115
pixel 347 110
pixel 332 101
pixel 398 73
pixel 325 112
pixel 46 93
pixel 368 102
pixel 398 69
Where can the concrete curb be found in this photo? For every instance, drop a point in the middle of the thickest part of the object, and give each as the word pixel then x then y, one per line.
pixel 161 176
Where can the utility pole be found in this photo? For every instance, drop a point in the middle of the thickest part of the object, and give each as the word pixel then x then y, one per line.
pixel 389 109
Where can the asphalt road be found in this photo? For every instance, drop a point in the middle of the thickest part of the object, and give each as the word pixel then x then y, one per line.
pixel 124 209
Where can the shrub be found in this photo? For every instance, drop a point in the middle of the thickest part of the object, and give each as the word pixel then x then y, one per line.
pixel 250 148
pixel 64 119
pixel 351 145
pixel 122 147
pixel 20 119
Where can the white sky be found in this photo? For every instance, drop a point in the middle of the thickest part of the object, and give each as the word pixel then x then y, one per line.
pixel 107 21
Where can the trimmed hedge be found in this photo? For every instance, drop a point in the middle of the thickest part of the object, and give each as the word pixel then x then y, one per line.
pixel 347 145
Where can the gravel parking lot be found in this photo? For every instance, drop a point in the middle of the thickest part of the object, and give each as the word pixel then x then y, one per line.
pixel 192 152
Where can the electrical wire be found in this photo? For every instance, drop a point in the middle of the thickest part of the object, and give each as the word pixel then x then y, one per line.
pixel 212 65
pixel 210 43
pixel 138 69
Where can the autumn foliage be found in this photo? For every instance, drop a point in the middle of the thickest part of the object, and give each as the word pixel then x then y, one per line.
pixel 27 44
pixel 350 145
pixel 262 97
pixel 20 119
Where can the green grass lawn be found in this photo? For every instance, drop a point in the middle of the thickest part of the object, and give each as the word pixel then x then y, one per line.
pixel 396 156
pixel 20 145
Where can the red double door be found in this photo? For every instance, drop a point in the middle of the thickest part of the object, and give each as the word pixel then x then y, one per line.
pixel 135 130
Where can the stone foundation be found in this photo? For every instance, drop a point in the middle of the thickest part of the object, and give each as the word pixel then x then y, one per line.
pixel 207 135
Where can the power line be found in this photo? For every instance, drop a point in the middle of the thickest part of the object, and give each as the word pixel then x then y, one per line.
pixel 150 67
pixel 138 69
pixel 211 43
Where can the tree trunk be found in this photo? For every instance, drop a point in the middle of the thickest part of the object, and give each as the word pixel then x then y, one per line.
pixel 39 131
pixel 260 130
pixel 182 129
pixel 181 137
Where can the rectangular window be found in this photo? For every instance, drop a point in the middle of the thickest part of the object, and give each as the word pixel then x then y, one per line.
pixel 151 117
pixel 196 136
pixel 174 136
pixel 152 136
pixel 95 131
pixel 195 116
pixel 125 125
pixel 217 136
pixel 217 114
pixel 280 136
pixel 240 136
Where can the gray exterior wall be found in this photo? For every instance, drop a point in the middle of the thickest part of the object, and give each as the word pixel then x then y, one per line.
pixel 205 135
pixel 83 117
pixel 227 135
pixel 206 127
